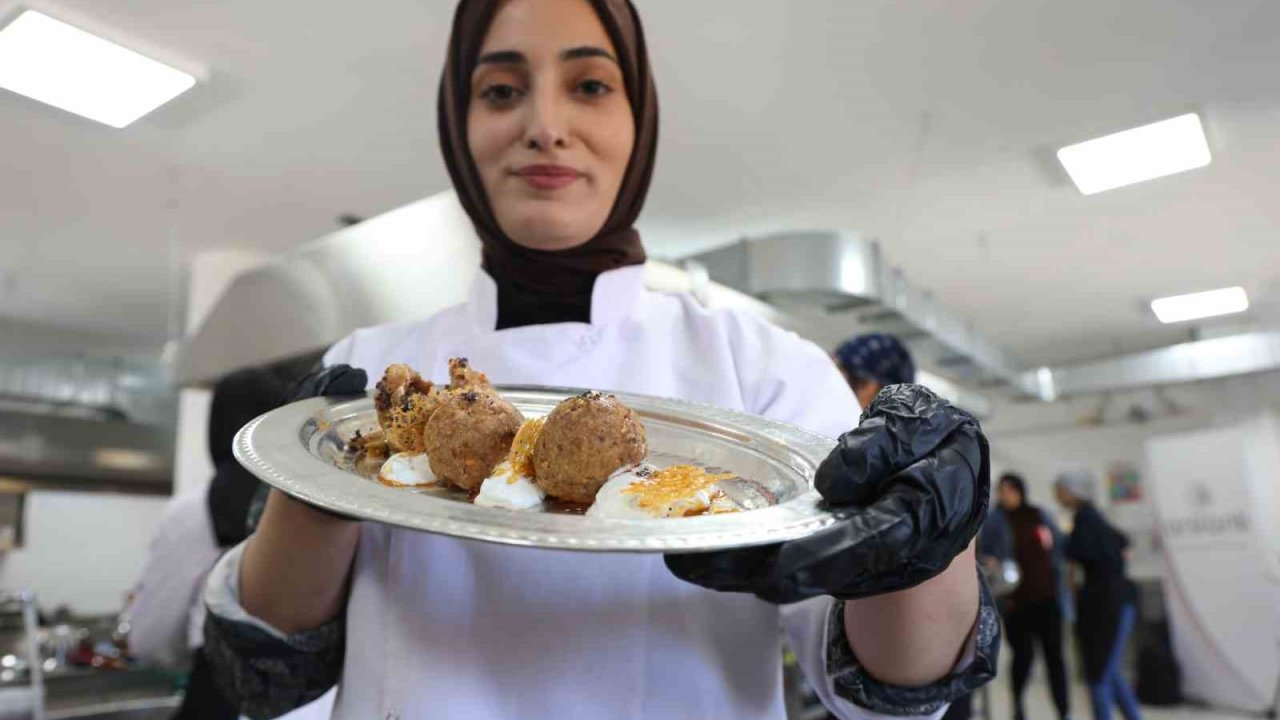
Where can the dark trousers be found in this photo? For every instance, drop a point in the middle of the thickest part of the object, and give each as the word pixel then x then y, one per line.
pixel 1028 623
pixel 1113 686
pixel 961 708
pixel 203 700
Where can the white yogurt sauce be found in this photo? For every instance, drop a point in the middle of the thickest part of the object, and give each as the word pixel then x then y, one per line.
pixel 407 470
pixel 506 489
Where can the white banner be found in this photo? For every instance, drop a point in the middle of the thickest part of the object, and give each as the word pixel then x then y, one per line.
pixel 1216 500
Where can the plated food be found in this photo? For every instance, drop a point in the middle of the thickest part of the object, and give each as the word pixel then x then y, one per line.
pixel 587 455
pixel 747 479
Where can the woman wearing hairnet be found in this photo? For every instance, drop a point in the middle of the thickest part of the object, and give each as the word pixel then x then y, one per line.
pixel 1105 604
pixel 548 123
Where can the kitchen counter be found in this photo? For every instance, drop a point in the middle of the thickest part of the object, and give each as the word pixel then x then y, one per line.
pixel 139 693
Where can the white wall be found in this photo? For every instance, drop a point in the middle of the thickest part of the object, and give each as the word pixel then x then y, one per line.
pixel 82 549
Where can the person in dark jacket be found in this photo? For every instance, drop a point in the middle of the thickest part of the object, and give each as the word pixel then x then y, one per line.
pixel 1035 609
pixel 166 613
pixel 237 399
pixel 1106 599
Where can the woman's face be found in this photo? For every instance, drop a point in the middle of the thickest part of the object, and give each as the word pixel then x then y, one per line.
pixel 1064 497
pixel 1009 497
pixel 549 126
pixel 865 390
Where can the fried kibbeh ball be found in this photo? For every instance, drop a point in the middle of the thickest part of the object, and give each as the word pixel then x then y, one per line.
pixel 404 402
pixel 469 435
pixel 464 377
pixel 584 440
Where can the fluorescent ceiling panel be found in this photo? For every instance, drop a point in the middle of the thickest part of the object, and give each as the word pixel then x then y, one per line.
pixel 1132 156
pixel 1197 306
pixel 60 65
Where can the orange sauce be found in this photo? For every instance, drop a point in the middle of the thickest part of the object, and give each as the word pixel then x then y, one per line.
pixel 522 449
pixel 660 490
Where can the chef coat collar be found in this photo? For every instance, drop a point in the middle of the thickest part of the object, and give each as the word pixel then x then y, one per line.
pixel 615 297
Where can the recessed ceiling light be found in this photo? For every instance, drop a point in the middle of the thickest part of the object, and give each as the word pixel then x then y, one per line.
pixel 55 63
pixel 1143 153
pixel 1197 306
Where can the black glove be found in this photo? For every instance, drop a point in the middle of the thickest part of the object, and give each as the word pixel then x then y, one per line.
pixel 332 381
pixel 909 487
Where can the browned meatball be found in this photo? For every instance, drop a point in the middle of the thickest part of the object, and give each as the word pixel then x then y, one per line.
pixel 584 440
pixel 469 435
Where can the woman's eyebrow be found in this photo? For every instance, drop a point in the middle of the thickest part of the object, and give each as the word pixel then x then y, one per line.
pixel 503 57
pixel 587 51
pixel 515 57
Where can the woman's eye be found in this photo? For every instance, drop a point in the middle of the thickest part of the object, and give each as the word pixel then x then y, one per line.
pixel 593 88
pixel 500 94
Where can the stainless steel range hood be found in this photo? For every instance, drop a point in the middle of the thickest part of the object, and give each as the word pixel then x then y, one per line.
pixel 838 283
pixel 86 422
pixel 401 266
pixel 832 285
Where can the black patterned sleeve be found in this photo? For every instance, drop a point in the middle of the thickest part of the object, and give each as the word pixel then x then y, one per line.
pixel 852 683
pixel 264 672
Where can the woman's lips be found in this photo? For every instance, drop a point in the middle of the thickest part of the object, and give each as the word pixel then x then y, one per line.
pixel 548 177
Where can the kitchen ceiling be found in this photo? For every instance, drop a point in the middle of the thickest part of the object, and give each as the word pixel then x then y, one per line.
pixel 930 126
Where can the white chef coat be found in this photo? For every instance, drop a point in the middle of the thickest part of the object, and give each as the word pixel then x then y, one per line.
pixel 439 627
pixel 166 617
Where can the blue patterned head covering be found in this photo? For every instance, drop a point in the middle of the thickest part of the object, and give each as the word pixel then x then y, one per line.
pixel 881 358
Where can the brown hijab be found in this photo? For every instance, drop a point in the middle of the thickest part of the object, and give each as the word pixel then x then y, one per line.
pixel 539 286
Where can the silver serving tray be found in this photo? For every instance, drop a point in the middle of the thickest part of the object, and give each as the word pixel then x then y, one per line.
pixel 301 449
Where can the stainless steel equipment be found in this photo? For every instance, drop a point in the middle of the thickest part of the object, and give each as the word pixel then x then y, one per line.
pixel 837 284
pixel 401 266
pixel 25 701
pixel 1188 362
pixel 75 421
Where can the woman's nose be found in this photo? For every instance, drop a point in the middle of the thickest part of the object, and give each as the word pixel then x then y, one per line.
pixel 546 126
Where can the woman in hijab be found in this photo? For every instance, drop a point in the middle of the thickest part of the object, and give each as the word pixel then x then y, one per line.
pixel 548 124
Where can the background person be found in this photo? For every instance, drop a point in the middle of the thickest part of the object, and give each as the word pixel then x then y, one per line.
pixel 872 362
pixel 1034 611
pixel 1106 601
pixel 166 617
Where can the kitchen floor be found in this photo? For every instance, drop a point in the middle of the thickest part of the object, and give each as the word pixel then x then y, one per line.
pixel 1039 705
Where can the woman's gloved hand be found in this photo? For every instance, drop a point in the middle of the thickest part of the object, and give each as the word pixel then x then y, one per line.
pixel 909 487
pixel 332 381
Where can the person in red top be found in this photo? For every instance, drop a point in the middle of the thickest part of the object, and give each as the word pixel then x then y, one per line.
pixel 1034 611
